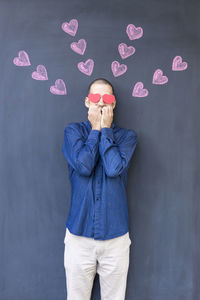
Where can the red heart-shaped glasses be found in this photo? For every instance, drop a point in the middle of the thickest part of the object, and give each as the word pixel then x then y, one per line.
pixel 106 98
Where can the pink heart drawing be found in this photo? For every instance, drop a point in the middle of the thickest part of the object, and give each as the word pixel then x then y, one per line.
pixel 125 51
pixel 71 27
pixel 118 69
pixel 86 67
pixel 59 88
pixel 40 73
pixel 134 32
pixel 139 91
pixel 159 78
pixel 178 65
pixel 22 60
pixel 79 47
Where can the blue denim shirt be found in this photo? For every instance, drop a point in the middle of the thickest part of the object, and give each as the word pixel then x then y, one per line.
pixel 98 162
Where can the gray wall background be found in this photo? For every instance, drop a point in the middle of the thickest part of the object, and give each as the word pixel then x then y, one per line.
pixel 164 178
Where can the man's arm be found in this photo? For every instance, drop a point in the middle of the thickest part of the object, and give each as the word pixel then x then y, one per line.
pixel 116 157
pixel 81 154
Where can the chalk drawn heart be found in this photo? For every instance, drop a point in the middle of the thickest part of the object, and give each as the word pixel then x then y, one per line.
pixel 79 47
pixel 22 60
pixel 139 91
pixel 86 67
pixel 134 32
pixel 40 73
pixel 159 78
pixel 118 69
pixel 125 51
pixel 178 65
pixel 59 88
pixel 71 27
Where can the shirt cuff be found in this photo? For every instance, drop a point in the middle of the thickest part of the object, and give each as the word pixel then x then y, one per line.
pixel 93 139
pixel 107 132
pixel 94 133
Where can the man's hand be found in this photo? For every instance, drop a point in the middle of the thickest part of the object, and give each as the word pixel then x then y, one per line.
pixel 94 116
pixel 107 116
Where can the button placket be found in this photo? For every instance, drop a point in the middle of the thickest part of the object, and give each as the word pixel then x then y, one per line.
pixel 96 218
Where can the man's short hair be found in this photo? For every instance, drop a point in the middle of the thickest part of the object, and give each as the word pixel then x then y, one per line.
pixel 100 80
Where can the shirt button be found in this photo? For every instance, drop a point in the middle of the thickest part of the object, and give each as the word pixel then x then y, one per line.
pixel 97 198
pixel 98 181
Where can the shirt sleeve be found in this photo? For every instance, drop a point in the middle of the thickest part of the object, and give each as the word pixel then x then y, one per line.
pixel 79 152
pixel 116 156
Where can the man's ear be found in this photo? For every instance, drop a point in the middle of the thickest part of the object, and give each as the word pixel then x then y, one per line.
pixel 113 104
pixel 87 102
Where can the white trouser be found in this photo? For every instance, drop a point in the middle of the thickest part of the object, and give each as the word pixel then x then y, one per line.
pixel 84 257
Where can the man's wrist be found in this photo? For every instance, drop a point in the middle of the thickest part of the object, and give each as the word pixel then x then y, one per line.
pixel 96 128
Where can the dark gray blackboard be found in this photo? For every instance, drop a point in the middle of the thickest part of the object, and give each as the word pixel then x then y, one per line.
pixel 164 175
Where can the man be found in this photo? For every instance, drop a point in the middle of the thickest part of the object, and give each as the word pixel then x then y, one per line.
pixel 97 239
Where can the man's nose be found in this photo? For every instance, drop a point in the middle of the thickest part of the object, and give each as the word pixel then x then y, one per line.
pixel 101 101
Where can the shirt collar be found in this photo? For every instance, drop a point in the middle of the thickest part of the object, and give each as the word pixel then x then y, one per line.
pixel 89 124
